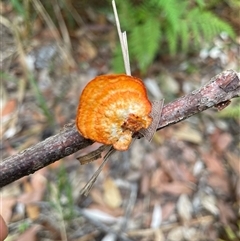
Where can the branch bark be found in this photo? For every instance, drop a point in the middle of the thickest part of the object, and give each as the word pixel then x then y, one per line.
pixel 216 92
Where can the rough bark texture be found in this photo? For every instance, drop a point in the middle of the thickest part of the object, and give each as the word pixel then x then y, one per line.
pixel 217 92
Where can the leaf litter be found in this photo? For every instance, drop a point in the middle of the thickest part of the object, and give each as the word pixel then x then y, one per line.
pixel 179 187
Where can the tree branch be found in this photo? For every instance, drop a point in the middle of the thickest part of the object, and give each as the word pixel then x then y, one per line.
pixel 218 91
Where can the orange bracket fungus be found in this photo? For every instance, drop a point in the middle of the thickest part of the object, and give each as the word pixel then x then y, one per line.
pixel 112 108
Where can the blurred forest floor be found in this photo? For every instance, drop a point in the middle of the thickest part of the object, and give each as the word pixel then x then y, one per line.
pixel 184 185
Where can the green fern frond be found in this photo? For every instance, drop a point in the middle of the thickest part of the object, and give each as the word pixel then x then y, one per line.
pixel 201 3
pixel 184 36
pixel 196 36
pixel 234 4
pixel 220 25
pixel 144 42
pixel 19 7
pixel 181 25
pixel 171 38
pixel 205 25
pixel 117 60
pixel 127 15
pixel 170 11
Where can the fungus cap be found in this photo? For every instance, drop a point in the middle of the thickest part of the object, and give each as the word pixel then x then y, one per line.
pixel 112 108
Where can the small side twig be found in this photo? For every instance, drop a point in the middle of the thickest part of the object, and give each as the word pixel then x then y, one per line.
pixel 85 191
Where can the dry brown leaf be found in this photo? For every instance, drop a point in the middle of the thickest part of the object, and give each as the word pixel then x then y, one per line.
pixel 34 189
pixel 97 197
pixel 5 7
pixel 9 150
pixel 7 204
pixel 86 50
pixel 38 180
pixel 112 195
pixel 221 140
pixel 168 210
pixel 189 154
pixel 191 234
pixel 138 209
pixel 226 212
pixel 12 190
pixel 186 174
pixel 175 188
pixel 159 177
pixel 158 235
pixel 27 186
pixel 48 35
pixel 187 133
pixel 59 117
pixel 220 184
pixel 178 171
pixel 209 203
pixel 214 164
pixel 149 162
pixel 234 162
pixel 184 208
pixel 32 211
pixel 89 236
pixel 175 234
pixel 10 128
pixel 9 108
pixel 145 180
pixel 55 165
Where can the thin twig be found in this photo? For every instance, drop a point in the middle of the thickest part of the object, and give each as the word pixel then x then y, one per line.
pixel 42 11
pixel 85 191
pixel 92 156
pixel 62 26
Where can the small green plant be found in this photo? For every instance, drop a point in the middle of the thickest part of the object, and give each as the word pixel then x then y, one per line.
pixel 20 7
pixel 230 233
pixel 61 195
pixel 40 99
pixel 23 226
pixel 233 111
pixel 157 26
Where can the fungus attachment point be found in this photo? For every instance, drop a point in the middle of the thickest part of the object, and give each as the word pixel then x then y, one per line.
pixel 112 108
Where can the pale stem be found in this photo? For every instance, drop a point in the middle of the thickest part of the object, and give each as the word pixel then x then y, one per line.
pixel 123 41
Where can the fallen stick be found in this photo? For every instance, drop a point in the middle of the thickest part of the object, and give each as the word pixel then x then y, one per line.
pixel 216 93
